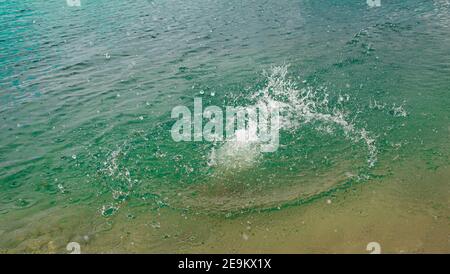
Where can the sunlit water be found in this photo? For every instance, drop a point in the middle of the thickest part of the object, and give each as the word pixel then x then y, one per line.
pixel 86 95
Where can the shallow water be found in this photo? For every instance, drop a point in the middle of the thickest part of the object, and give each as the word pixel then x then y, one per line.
pixel 86 95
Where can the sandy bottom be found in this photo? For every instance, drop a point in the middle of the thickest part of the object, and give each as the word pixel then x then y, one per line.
pixel 408 212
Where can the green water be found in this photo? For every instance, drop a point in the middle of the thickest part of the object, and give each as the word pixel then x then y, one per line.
pixel 86 95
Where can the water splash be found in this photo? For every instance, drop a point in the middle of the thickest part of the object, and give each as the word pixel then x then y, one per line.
pixel 236 174
pixel 298 106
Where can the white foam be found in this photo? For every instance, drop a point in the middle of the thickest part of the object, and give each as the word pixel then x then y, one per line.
pixel 297 108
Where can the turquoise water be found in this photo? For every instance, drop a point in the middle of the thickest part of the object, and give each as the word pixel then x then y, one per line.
pixel 86 95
